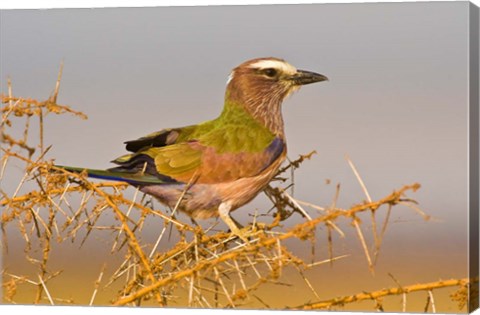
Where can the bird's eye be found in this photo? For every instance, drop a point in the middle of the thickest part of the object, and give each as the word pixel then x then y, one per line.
pixel 270 72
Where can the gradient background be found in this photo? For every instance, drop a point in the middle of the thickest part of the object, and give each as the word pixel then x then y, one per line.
pixel 396 103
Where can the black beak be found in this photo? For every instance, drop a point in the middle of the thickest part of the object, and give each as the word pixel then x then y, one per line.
pixel 303 77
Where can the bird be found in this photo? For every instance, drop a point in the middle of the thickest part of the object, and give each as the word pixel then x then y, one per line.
pixel 215 167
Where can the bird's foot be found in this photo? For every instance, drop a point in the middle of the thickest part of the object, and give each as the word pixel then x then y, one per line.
pixel 243 233
pixel 235 228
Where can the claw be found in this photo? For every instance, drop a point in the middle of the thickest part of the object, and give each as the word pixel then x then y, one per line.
pixel 243 234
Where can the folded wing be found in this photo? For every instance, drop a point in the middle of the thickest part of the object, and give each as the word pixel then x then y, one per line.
pixel 192 160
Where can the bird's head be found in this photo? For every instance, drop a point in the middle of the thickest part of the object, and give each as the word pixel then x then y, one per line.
pixel 269 76
pixel 260 85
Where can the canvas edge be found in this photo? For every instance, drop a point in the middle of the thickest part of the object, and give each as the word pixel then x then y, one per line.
pixel 474 133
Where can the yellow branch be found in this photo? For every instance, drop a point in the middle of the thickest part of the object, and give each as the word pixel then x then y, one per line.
pixel 55 192
pixel 385 292
pixel 131 236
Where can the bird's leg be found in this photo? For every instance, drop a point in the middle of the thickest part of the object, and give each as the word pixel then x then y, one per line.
pixel 238 224
pixel 224 212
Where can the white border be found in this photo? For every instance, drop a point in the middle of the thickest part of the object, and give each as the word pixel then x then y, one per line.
pixel 47 4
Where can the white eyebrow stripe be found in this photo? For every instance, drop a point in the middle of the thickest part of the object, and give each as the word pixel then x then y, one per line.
pixel 276 64
pixel 230 77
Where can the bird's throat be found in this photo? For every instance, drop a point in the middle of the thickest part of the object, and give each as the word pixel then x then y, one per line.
pixel 267 112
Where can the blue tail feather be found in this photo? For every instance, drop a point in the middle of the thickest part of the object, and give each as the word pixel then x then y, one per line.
pixel 131 178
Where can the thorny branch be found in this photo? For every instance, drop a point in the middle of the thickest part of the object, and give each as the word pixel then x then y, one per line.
pixel 428 287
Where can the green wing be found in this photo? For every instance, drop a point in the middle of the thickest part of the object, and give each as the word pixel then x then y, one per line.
pixel 216 155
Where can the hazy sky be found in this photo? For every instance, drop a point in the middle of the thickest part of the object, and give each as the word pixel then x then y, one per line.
pixel 396 102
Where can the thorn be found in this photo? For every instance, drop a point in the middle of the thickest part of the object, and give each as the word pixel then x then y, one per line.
pixel 53 98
